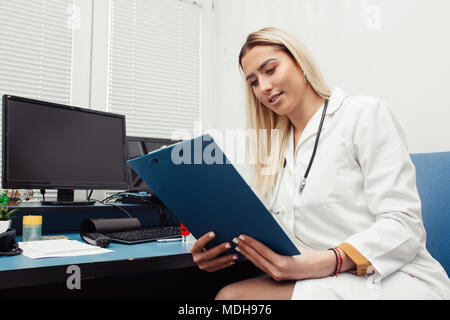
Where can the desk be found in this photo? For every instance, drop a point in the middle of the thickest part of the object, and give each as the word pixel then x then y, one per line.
pixel 153 270
pixel 20 271
pixel 166 268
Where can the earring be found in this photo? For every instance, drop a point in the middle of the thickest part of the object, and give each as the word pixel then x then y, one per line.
pixel 304 77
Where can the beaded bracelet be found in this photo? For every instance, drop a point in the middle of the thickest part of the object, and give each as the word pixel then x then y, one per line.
pixel 339 262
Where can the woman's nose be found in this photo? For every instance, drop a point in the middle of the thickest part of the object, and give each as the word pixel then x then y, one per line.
pixel 265 85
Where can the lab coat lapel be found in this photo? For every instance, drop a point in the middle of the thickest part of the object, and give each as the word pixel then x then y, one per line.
pixel 336 99
pixel 312 127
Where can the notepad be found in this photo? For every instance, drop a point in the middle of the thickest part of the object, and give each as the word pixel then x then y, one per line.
pixel 59 248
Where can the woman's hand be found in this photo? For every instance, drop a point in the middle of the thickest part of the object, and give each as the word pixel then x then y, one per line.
pixel 207 259
pixel 309 264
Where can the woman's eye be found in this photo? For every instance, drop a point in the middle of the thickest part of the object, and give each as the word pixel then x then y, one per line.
pixel 271 70
pixel 254 83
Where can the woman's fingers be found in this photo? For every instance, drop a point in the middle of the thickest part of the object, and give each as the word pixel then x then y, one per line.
pixel 223 266
pixel 252 255
pixel 262 257
pixel 256 246
pixel 207 259
pixel 201 242
pixel 219 263
pixel 213 252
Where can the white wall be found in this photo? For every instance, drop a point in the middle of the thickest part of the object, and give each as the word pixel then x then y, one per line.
pixel 396 50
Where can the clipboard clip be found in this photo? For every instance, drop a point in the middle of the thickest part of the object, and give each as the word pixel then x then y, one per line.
pixel 276 212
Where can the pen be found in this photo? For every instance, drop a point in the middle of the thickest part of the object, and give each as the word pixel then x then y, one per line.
pixel 168 240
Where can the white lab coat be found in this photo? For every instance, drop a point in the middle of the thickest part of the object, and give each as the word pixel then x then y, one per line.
pixel 361 189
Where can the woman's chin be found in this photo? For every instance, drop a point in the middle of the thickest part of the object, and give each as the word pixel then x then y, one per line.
pixel 281 110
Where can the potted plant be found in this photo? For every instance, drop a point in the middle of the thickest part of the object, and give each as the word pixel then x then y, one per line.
pixel 5 213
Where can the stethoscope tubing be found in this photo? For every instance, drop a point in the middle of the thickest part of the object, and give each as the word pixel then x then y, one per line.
pixel 311 160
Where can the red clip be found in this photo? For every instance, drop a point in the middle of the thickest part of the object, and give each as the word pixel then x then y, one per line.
pixel 184 231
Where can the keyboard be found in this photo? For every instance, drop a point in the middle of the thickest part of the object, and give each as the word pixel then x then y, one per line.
pixel 145 234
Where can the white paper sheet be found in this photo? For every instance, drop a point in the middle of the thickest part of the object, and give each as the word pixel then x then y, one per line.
pixel 59 248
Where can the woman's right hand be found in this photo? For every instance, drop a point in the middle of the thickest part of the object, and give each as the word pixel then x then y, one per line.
pixel 207 259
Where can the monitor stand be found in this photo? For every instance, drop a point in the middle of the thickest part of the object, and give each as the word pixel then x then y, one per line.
pixel 65 197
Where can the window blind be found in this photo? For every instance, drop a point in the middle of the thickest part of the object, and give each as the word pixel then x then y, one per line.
pixel 36 50
pixel 154 68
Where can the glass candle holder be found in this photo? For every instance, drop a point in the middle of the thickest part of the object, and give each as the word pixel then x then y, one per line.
pixel 31 228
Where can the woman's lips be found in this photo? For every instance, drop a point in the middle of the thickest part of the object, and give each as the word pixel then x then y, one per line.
pixel 275 97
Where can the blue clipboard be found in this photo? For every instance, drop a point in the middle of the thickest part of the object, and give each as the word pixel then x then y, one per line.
pixel 204 191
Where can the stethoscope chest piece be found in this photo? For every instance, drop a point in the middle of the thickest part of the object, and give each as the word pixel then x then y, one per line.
pixel 302 185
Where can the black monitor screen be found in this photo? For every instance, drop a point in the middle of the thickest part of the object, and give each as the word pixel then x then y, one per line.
pixel 139 146
pixel 52 146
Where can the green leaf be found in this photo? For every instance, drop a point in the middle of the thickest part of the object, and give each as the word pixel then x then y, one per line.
pixel 4 197
pixel 10 213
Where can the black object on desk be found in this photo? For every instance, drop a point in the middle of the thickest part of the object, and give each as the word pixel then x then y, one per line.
pixel 96 239
pixel 128 230
pixel 8 243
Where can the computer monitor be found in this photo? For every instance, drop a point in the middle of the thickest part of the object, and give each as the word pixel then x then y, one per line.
pixel 53 146
pixel 139 146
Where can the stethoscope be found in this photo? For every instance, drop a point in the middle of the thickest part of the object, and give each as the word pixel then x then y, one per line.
pixel 311 160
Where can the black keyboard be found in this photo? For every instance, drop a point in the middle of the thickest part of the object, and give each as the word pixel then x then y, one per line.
pixel 145 234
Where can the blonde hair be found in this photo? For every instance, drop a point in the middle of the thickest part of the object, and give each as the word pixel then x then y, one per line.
pixel 266 122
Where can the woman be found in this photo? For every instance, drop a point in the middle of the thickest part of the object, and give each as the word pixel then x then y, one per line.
pixel 340 182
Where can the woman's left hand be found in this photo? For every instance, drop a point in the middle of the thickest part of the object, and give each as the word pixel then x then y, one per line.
pixel 309 264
